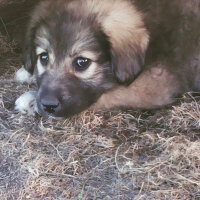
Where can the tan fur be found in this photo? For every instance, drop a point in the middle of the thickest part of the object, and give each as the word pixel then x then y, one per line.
pixel 39 50
pixel 152 89
pixel 93 74
pixel 120 20
pixel 40 68
pixel 156 84
pixel 41 38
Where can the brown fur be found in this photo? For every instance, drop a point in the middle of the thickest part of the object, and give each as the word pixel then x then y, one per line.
pixel 152 89
pixel 153 54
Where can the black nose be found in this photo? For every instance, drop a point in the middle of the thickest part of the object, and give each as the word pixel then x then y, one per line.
pixel 50 105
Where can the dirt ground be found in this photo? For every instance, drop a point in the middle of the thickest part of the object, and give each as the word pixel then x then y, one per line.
pixel 109 155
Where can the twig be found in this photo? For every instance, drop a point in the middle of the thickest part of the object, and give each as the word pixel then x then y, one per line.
pixel 4 25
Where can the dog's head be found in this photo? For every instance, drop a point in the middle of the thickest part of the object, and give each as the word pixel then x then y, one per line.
pixel 80 49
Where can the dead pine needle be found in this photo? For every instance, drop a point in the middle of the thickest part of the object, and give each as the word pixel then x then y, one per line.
pixel 5 28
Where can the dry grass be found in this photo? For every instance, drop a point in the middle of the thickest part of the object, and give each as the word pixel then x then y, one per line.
pixel 107 155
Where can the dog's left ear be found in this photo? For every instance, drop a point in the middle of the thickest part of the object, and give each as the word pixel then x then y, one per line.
pixel 129 39
pixel 127 61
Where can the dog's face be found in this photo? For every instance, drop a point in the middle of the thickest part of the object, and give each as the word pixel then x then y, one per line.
pixel 73 66
pixel 77 52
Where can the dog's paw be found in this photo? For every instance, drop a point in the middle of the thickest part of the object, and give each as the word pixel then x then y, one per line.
pixel 26 103
pixel 23 76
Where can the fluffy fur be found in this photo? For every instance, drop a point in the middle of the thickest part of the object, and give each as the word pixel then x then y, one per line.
pixel 26 103
pixel 23 76
pixel 142 53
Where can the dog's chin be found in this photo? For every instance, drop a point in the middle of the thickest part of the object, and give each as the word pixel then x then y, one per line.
pixel 65 109
pixel 63 113
pixel 50 115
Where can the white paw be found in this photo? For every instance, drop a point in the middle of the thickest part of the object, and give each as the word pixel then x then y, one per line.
pixel 23 76
pixel 26 103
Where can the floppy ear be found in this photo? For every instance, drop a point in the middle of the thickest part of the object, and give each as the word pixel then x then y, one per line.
pixel 29 56
pixel 127 62
pixel 128 52
pixel 129 40
pixel 39 12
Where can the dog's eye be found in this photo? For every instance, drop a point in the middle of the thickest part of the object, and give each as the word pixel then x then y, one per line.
pixel 44 58
pixel 81 64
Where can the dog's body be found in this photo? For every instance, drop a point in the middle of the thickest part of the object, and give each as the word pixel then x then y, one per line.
pixel 116 53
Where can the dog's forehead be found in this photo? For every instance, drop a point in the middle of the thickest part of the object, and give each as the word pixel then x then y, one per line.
pixel 42 38
pixel 66 36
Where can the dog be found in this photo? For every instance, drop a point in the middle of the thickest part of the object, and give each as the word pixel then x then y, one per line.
pixel 101 54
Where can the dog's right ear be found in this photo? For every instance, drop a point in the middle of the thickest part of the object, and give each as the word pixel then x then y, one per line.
pixel 29 55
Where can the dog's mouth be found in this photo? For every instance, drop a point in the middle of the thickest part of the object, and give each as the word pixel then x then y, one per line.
pixel 52 106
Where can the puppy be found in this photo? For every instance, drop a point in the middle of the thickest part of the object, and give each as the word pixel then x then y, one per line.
pixel 116 53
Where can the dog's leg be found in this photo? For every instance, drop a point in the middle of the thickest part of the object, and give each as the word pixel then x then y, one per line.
pixel 23 76
pixel 153 88
pixel 26 103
